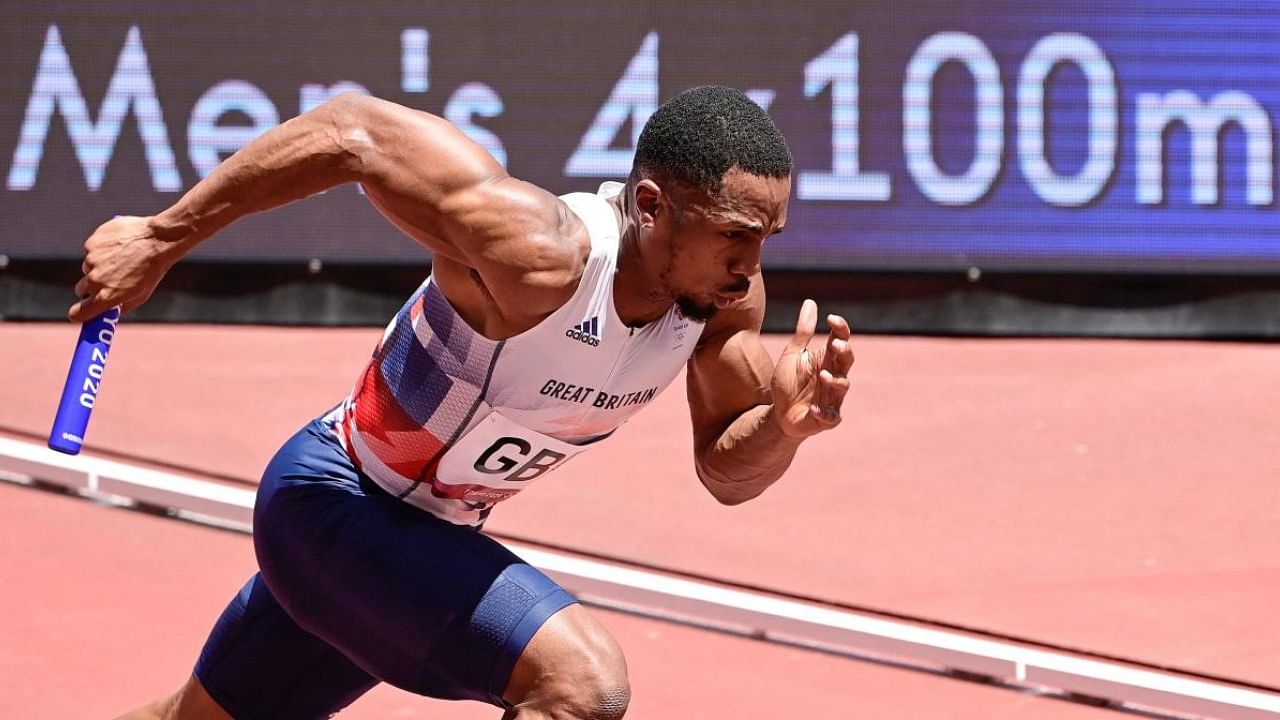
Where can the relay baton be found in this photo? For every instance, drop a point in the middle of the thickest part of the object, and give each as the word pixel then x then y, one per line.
pixel 83 380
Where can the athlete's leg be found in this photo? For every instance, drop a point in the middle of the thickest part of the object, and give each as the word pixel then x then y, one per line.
pixel 258 664
pixel 356 586
pixel 572 669
pixel 431 607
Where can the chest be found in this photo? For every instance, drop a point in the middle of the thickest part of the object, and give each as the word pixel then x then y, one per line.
pixel 588 377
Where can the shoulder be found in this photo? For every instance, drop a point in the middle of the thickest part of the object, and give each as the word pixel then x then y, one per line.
pixel 523 229
pixel 529 249
pixel 449 193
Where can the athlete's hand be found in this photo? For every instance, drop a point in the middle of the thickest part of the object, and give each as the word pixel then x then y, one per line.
pixel 124 261
pixel 809 387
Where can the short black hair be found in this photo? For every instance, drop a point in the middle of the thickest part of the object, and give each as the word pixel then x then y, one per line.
pixel 698 135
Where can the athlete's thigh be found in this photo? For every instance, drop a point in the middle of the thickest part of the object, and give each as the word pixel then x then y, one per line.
pixel 434 608
pixel 258 664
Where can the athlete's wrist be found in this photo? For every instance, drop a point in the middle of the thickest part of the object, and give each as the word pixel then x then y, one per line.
pixel 170 226
pixel 176 233
pixel 776 419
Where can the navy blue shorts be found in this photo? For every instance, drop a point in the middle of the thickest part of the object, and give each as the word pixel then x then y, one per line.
pixel 357 587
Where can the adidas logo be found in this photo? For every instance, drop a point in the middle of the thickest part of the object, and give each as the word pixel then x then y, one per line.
pixel 588 332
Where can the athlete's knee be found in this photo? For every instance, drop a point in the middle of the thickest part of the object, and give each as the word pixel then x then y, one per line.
pixel 611 704
pixel 583 677
pixel 598 697
pixel 593 685
pixel 602 692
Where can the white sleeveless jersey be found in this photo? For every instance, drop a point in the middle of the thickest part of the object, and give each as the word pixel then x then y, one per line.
pixel 453 422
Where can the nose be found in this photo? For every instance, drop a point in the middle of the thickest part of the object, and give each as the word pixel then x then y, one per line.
pixel 747 264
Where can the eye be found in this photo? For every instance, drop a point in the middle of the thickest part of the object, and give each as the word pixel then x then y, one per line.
pixel 735 235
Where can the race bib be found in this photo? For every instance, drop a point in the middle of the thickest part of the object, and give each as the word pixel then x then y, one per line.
pixel 496 459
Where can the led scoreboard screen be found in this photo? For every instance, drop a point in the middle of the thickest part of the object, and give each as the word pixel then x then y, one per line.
pixel 1133 136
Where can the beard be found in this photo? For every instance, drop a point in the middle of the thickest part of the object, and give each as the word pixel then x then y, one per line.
pixel 694 310
pixel 702 312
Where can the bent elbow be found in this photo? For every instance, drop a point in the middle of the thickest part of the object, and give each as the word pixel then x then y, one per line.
pixel 349 105
pixel 731 500
pixel 348 119
pixel 725 492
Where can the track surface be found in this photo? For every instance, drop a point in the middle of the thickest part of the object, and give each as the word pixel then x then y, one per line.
pixel 109 607
pixel 1114 496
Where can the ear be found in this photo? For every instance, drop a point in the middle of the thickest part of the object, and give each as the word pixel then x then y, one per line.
pixel 649 201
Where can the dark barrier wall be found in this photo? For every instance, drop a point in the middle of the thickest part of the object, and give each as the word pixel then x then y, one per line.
pixel 1072 135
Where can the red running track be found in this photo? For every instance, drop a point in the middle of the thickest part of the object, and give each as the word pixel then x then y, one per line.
pixel 105 608
pixel 1108 495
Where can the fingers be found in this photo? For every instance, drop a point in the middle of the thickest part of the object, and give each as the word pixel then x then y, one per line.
pixel 806 325
pixel 90 307
pixel 95 298
pixel 832 389
pixel 833 383
pixel 822 382
pixel 839 326
pixel 829 397
pixel 90 292
pixel 85 287
pixel 824 419
pixel 107 277
pixel 838 357
pixel 86 290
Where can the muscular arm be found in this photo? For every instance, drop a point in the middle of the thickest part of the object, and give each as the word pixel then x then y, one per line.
pixel 302 156
pixel 421 172
pixel 750 416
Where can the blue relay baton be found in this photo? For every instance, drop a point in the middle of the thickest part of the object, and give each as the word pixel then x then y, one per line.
pixel 83 380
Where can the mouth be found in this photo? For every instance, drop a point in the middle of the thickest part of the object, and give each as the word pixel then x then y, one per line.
pixel 726 300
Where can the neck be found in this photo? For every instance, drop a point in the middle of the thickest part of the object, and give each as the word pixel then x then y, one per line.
pixel 635 294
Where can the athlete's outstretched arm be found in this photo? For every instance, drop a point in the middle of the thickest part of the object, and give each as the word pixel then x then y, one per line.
pixel 420 171
pixel 749 414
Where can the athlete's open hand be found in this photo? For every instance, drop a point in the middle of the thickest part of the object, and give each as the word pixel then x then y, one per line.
pixel 124 261
pixel 809 387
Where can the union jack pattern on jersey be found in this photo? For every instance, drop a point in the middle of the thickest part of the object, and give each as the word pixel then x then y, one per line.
pixel 425 382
